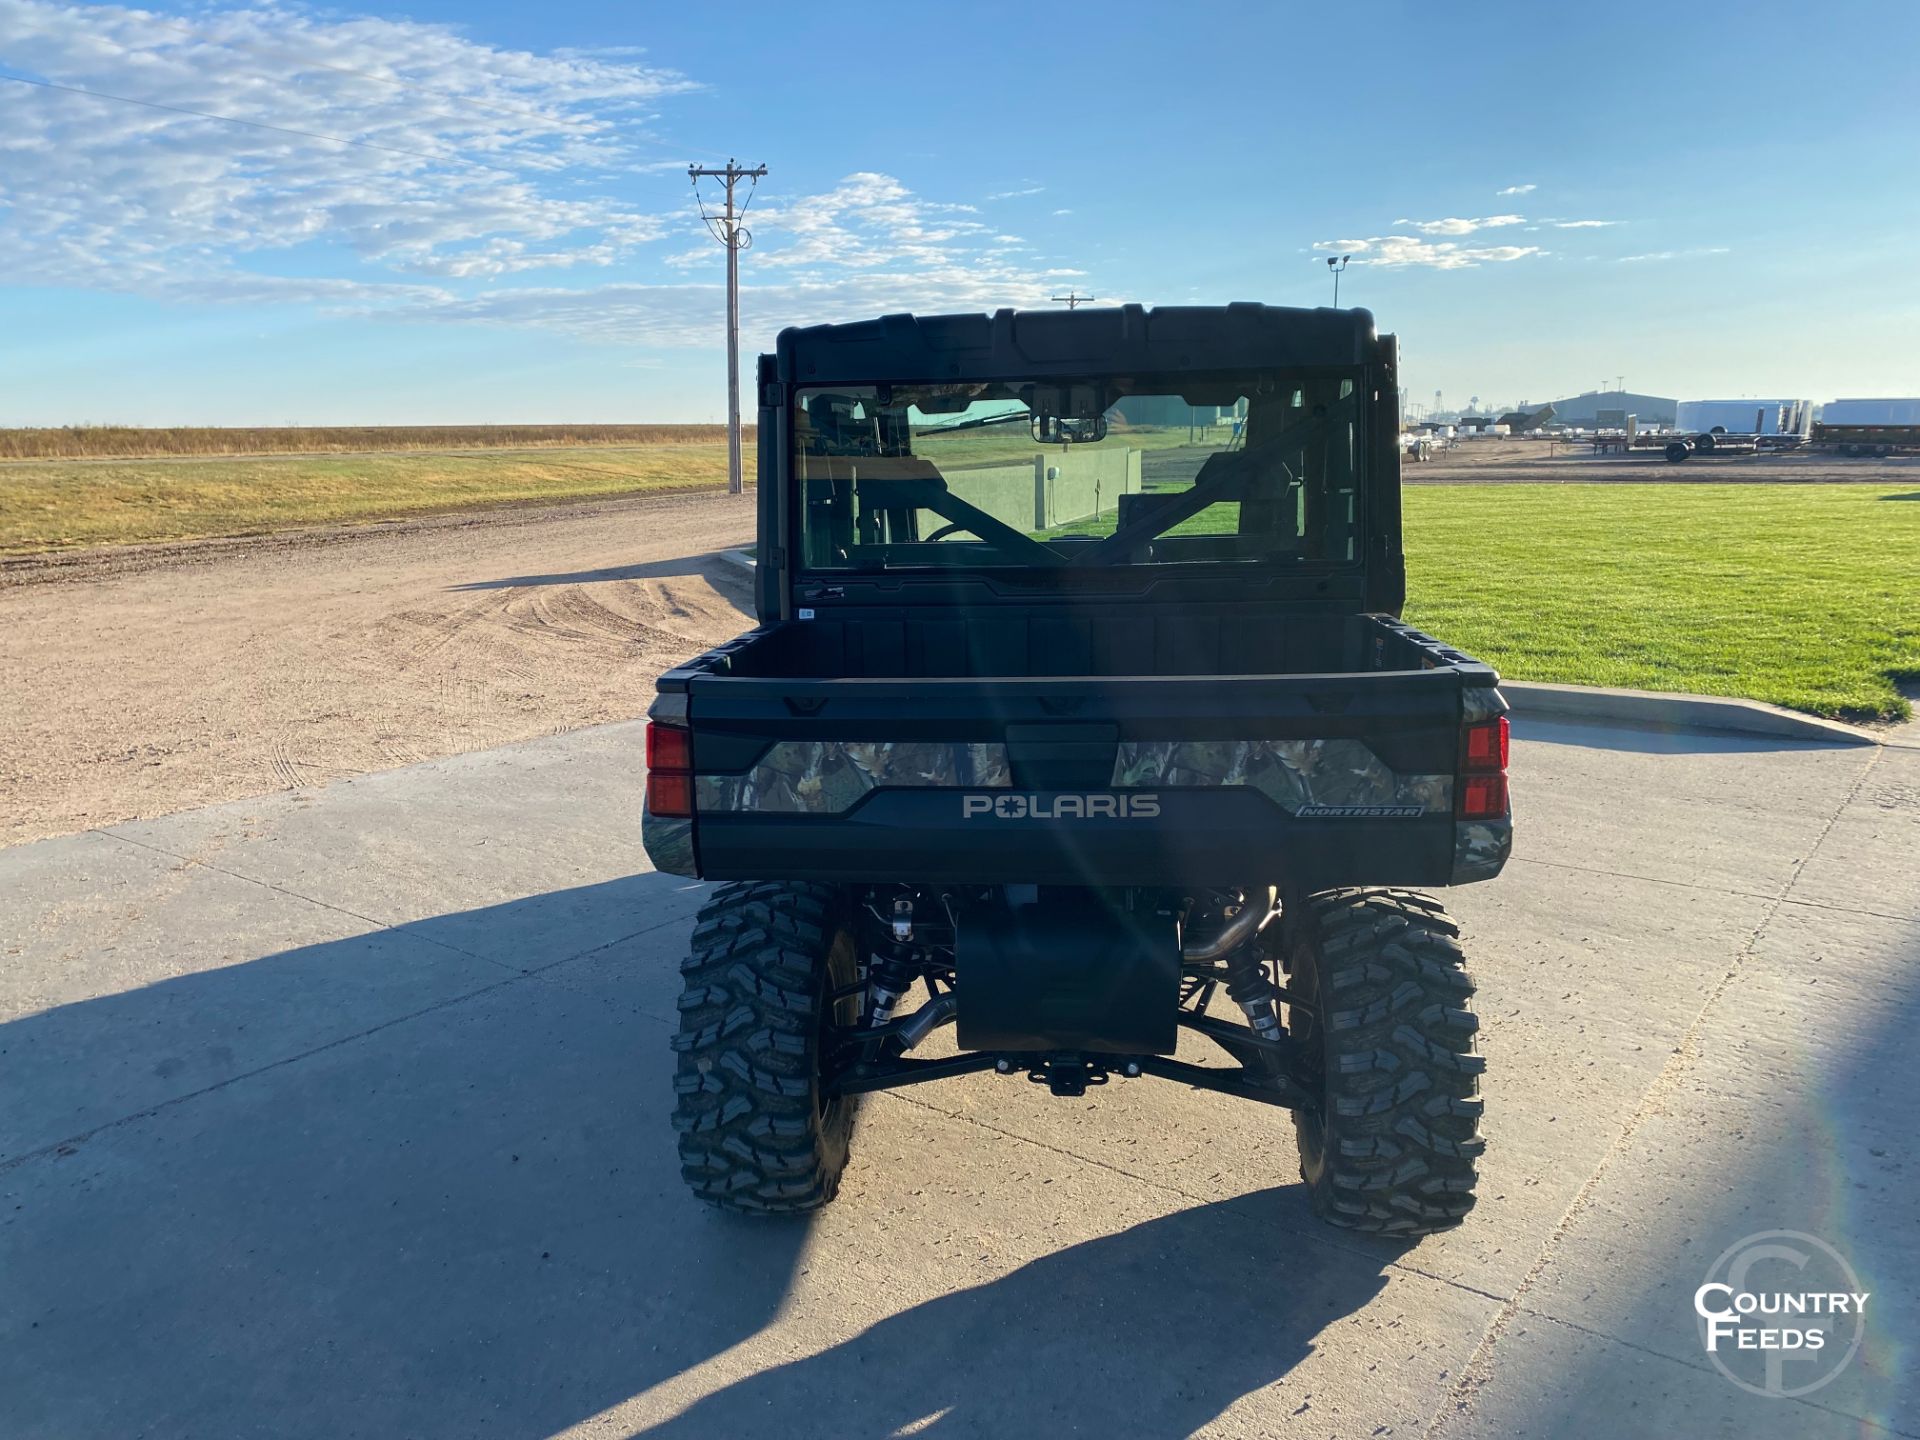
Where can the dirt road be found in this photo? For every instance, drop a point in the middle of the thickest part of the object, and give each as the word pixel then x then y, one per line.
pixel 136 683
pixel 1519 462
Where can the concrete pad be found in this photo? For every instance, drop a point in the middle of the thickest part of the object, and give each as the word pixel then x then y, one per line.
pixel 451 840
pixel 433 1189
pixel 471 1222
pixel 1791 1109
pixel 1867 859
pixel 1586 984
pixel 1557 1382
pixel 133 979
pixel 1731 813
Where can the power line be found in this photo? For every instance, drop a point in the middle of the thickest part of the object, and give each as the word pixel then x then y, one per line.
pixel 1073 300
pixel 442 158
pixel 735 237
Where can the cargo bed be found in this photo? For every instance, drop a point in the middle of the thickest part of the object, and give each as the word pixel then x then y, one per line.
pixel 1077 749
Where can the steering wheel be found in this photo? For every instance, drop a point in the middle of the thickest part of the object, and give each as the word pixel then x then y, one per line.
pixel 941 533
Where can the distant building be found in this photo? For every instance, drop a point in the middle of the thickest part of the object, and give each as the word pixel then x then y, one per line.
pixel 1584 410
pixel 1523 420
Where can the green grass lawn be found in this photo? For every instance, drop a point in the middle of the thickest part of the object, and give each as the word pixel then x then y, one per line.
pixel 1802 595
pixel 56 505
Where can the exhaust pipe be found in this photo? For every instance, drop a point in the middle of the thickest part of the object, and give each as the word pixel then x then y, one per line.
pixel 1236 932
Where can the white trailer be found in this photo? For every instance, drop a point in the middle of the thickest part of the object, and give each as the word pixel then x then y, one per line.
pixel 1744 417
pixel 1870 412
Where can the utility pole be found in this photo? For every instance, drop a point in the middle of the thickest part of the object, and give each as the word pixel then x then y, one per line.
pixel 728 230
pixel 1072 301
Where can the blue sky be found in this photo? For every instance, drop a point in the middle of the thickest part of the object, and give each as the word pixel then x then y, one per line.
pixel 1708 200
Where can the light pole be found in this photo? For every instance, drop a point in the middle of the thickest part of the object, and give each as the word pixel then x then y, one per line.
pixel 1337 266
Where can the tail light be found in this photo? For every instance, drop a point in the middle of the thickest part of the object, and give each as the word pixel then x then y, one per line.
pixel 669 771
pixel 1483 762
pixel 1484 745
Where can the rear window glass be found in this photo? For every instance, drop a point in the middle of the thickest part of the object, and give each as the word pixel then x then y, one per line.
pixel 1092 472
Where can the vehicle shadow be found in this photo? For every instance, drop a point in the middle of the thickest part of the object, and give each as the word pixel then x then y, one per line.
pixel 1152 1331
pixel 393 1184
pixel 712 566
pixel 384 1185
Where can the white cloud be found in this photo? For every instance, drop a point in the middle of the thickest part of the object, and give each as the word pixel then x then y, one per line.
pixel 471 140
pixel 1063 212
pixel 867 221
pixel 493 164
pixel 689 314
pixel 1402 250
pixel 1517 190
pixel 1016 194
pixel 1675 254
pixel 1457 226
pixel 1583 224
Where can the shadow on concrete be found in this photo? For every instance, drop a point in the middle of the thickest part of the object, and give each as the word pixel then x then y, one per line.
pixel 1659 740
pixel 422 1194
pixel 711 566
pixel 449 1216
pixel 1153 1331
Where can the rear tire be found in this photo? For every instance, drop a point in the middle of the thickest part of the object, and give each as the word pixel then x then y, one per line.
pixel 755 1133
pixel 1393 1150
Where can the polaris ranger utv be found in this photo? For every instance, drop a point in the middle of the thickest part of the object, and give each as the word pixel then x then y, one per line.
pixel 1078 702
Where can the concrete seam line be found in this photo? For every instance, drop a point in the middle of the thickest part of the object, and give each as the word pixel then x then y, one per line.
pixel 1317 1235
pixel 1685 1364
pixel 308 899
pixel 85 1135
pixel 1479 1365
pixel 513 977
pixel 552 965
pixel 1709 889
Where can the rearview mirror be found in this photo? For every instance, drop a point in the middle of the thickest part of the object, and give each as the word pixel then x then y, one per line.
pixel 1067 429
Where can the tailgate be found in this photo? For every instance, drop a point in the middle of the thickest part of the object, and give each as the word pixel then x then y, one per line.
pixel 1307 780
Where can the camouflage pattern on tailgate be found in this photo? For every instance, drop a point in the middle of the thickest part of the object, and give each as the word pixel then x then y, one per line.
pixel 668 842
pixel 1294 774
pixel 829 777
pixel 1480 848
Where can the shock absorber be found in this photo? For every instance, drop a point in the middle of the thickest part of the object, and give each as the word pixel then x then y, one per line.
pixel 1252 991
pixel 891 970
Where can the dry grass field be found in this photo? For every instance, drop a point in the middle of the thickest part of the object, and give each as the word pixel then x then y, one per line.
pixel 50 505
pixel 91 442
